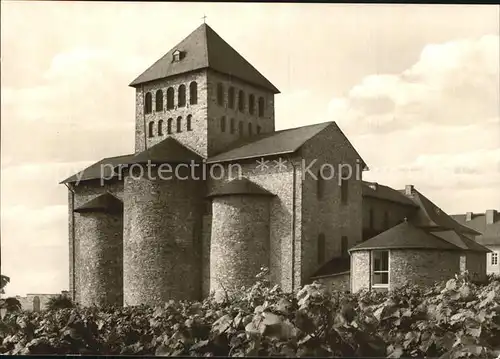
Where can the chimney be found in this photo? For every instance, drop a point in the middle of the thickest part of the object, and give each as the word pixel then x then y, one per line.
pixel 490 216
pixel 409 190
pixel 468 216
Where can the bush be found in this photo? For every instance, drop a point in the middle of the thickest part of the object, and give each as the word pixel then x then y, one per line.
pixel 456 319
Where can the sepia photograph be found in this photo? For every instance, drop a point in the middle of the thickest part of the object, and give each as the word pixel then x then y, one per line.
pixel 250 179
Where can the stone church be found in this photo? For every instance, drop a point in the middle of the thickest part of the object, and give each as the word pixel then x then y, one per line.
pixel 213 192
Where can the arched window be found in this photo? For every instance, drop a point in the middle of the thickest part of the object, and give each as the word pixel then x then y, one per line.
pixel 321 248
pixel 151 129
pixel 160 128
pixel 169 125
pixel 223 124
pixel 193 93
pixel 251 104
pixel 240 128
pixel 241 101
pixel 230 97
pixel 36 303
pixel 179 124
pixel 170 98
pixel 261 106
pixel 159 100
pixel 233 129
pixel 148 103
pixel 250 129
pixel 188 123
pixel 220 94
pixel 258 129
pixel 181 96
pixel 320 185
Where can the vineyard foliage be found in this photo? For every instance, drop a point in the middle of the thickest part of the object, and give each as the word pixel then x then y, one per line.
pixel 456 319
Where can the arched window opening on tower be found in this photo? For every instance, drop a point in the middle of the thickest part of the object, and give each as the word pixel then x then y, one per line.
pixel 181 96
pixel 193 93
pixel 223 124
pixel 151 129
pixel 188 123
pixel 386 220
pixel 160 128
pixel 261 106
pixel 320 185
pixel 344 190
pixel 179 124
pixel 159 100
pixel 321 248
pixel 220 94
pixel 258 129
pixel 344 246
pixel 371 219
pixel 148 103
pixel 241 101
pixel 230 97
pixel 251 104
pixel 170 98
pixel 240 128
pixel 233 129
pixel 250 129
pixel 169 126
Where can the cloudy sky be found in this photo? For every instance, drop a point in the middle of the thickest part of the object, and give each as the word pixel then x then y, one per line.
pixel 414 87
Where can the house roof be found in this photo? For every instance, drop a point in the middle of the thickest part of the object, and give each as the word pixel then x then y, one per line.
pixel 405 236
pixel 334 266
pixel 460 240
pixel 376 190
pixel 101 169
pixel 103 203
pixel 201 49
pixel 240 186
pixel 167 151
pixel 433 216
pixel 490 233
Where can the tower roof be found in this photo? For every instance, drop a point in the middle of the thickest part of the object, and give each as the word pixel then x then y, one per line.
pixel 167 151
pixel 103 203
pixel 201 49
pixel 240 186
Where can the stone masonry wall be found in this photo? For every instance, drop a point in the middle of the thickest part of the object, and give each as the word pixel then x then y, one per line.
pixel 162 238
pixel 423 267
pixel 360 270
pixel 239 241
pixel 219 140
pixel 84 192
pixel 100 274
pixel 328 215
pixel 195 139
pixel 285 215
pixel 340 282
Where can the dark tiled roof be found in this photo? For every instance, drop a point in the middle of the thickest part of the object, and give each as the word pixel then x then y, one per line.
pixel 433 216
pixel 204 48
pixel 460 240
pixel 102 169
pixel 405 236
pixel 334 266
pixel 167 151
pixel 103 203
pixel 240 186
pixel 490 233
pixel 275 143
pixel 376 190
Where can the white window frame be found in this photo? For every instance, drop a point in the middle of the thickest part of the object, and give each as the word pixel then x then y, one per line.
pixel 388 271
pixel 494 259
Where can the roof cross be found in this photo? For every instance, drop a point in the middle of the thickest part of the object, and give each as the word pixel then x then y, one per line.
pixel 204 18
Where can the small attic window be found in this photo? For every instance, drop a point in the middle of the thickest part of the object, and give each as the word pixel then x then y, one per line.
pixel 177 56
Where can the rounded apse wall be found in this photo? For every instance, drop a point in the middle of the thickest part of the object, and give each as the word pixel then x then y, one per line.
pixel 162 227
pixel 239 241
pixel 100 256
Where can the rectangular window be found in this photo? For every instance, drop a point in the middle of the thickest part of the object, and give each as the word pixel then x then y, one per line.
pixel 344 246
pixel 494 258
pixel 344 189
pixel 321 248
pixel 380 268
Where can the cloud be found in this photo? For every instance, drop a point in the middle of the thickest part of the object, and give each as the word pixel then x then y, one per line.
pixel 453 83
